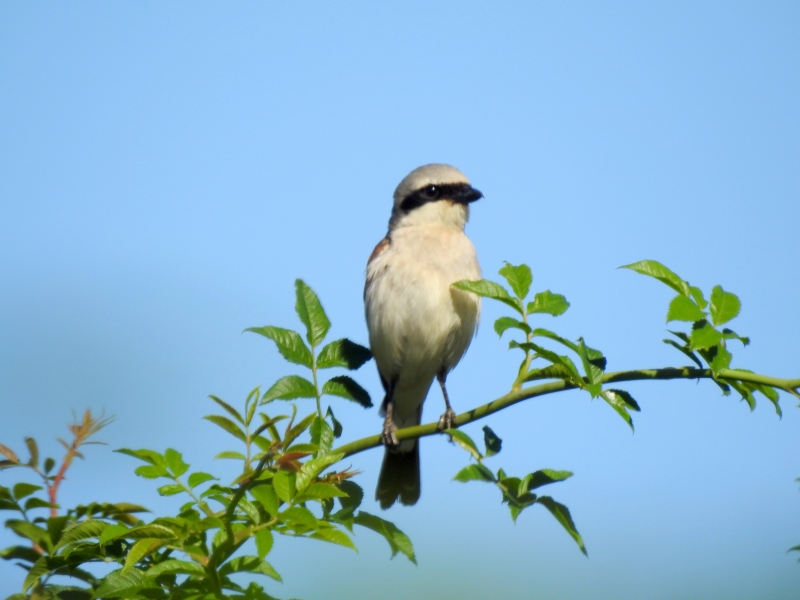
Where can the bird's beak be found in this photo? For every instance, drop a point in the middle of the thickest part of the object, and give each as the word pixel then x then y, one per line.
pixel 467 195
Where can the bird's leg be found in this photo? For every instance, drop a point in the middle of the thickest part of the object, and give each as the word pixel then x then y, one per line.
pixel 448 419
pixel 388 438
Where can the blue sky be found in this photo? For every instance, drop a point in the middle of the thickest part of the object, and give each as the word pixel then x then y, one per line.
pixel 168 170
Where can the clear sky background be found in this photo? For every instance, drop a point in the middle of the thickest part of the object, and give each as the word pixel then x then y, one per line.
pixel 168 169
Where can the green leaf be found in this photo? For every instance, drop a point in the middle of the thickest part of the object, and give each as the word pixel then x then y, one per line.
pixel 345 387
pixel 39 569
pixel 289 388
pixel 22 490
pixel 151 471
pixel 198 478
pixel 398 541
pixel 337 427
pixel 322 435
pixel 32 503
pixel 228 425
pixel 284 484
pixel 704 336
pixel 518 277
pixel 463 440
pixel 139 550
pixel 627 399
pixel 721 360
pixel 28 530
pixel 540 478
pixel 549 303
pixel 729 334
pixel 231 454
pixel 683 308
pixel 170 489
pixel 491 441
pixel 655 269
pixel 488 289
pixel 249 564
pixel 266 497
pixel 176 567
pixel 149 456
pixel 343 353
pixel 175 462
pixel 724 305
pixel 561 513
pixel 153 530
pixel 33 449
pixel 334 536
pixel 120 584
pixel 91 528
pixel 264 541
pixel 49 463
pixel 355 495
pixel 594 363
pixel 289 343
pixel 697 294
pixel 549 372
pixel 112 532
pixel 311 313
pixel 685 350
pixel 564 361
pixel 503 324
pixel 476 472
pixel 617 402
pixel 299 515
pixel 231 411
pixel 320 491
pixel 312 468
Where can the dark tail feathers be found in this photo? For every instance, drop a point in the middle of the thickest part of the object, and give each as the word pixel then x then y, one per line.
pixel 399 478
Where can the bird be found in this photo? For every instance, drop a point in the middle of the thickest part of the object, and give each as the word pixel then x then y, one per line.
pixel 419 327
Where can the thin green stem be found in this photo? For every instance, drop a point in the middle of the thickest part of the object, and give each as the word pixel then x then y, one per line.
pixel 316 384
pixel 515 396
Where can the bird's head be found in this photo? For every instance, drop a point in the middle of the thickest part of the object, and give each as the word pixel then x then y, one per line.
pixel 433 195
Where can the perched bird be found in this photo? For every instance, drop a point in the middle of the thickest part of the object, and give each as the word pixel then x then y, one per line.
pixel 419 327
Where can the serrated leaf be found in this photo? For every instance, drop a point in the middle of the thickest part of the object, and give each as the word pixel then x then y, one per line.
pixel 284 484
pixel 266 497
pixel 721 360
pixel 619 405
pixel 139 550
pixel 334 536
pixel 518 277
pixel 549 372
pixel 39 569
pixel 337 427
pixel 488 289
pixel 91 528
pixel 149 456
pixel 32 503
pixel 463 440
pixel 171 489
pixel 176 567
pixel 198 478
pixel 594 363
pixel 655 269
pixel 231 454
pixel 311 313
pixel 704 336
pixel 683 308
pixel 299 515
pixel 503 324
pixel 398 541
pixel 493 443
pixel 228 408
pixel 312 468
pixel 549 303
pixel 264 541
pixel 249 564
pixel 355 495
pixel 321 491
pixel 175 462
pixel 685 350
pixel 345 387
pixel 289 388
pixel 117 583
pixel 564 361
pixel 542 477
pixel 228 425
pixel 729 334
pixel 697 294
pixel 724 305
pixel 322 435
pixel 288 342
pixel 475 472
pixel 561 513
pixel 343 353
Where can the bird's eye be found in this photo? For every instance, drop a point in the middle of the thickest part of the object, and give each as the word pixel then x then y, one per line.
pixel 431 191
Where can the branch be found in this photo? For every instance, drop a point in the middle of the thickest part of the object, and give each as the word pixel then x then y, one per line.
pixel 787 385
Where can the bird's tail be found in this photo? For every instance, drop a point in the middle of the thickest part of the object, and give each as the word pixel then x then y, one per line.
pixel 399 478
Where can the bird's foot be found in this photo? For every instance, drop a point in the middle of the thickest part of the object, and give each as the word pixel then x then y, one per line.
pixel 447 420
pixel 388 437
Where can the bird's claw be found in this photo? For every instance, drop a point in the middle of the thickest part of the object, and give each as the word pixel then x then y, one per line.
pixel 447 420
pixel 388 438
